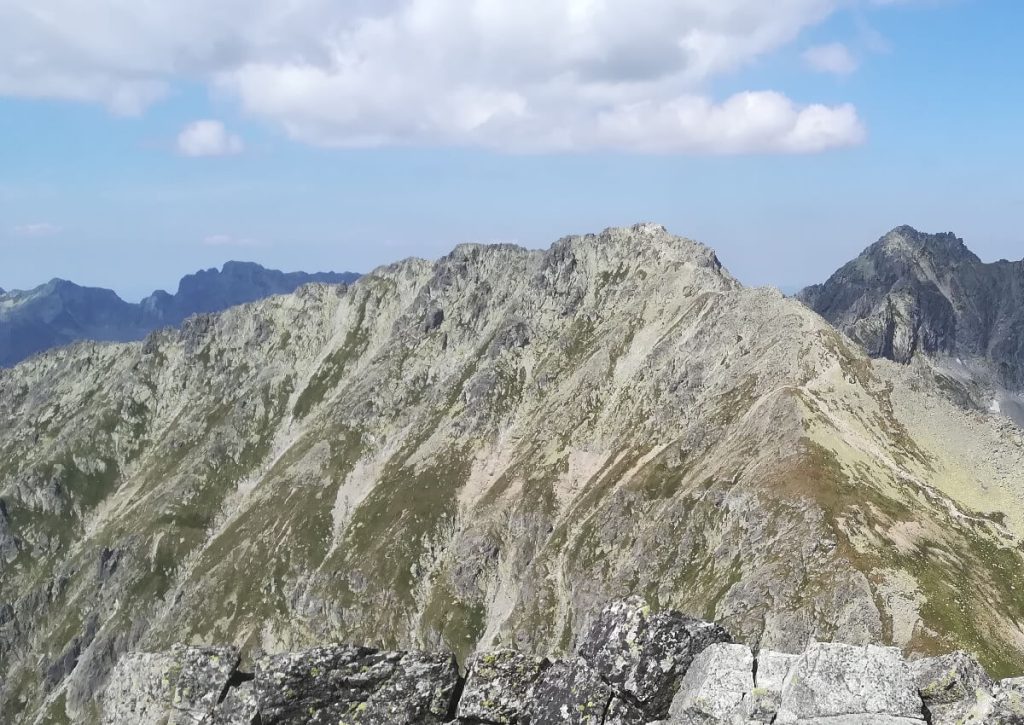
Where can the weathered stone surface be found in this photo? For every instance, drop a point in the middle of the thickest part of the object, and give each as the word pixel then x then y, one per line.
pixel 238 708
pixel 839 680
pixel 355 685
pixel 1007 707
pixel 204 673
pixel 955 688
pixel 498 685
pixel 140 689
pixel 623 712
pixel 646 654
pixel 716 686
pixel 860 720
pixel 769 679
pixel 570 691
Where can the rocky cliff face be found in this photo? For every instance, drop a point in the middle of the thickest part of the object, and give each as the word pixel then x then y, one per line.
pixel 915 294
pixel 481 452
pixel 61 312
pixel 632 667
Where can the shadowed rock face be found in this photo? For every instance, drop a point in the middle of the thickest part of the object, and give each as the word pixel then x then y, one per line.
pixel 479 453
pixel 61 312
pixel 920 294
pixel 719 684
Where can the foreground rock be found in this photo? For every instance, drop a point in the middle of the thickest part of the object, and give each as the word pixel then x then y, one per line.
pixel 862 684
pixel 644 655
pixel 180 687
pixel 629 661
pixel 499 686
pixel 355 685
pixel 718 686
pixel 570 692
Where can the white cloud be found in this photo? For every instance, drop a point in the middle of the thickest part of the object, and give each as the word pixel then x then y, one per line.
pixel 208 138
pixel 36 230
pixel 833 58
pixel 226 240
pixel 530 75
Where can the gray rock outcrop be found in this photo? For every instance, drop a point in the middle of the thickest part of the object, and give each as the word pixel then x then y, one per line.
pixel 722 684
pixel 356 685
pixel 572 692
pixel 954 687
pixel 718 686
pixel 499 685
pixel 869 684
pixel 644 654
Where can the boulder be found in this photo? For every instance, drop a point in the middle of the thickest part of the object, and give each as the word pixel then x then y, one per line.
pixel 770 674
pixel 716 687
pixel 238 707
pixel 140 689
pixel 498 686
pixel 569 691
pixel 355 685
pixel 644 655
pixel 1008 702
pixel 623 712
pixel 203 676
pixel 955 688
pixel 843 681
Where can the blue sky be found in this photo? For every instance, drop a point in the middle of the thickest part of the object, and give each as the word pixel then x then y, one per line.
pixel 105 180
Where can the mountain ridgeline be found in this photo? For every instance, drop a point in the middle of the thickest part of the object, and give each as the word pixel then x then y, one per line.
pixel 60 312
pixel 482 452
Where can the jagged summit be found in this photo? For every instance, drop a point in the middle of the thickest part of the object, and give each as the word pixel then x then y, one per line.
pixel 649 241
pixel 915 294
pixel 943 248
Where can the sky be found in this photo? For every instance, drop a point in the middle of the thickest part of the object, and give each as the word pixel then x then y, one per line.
pixel 143 141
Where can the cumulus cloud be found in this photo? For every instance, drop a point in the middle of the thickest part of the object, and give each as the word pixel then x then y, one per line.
pixel 36 230
pixel 208 138
pixel 531 75
pixel 833 58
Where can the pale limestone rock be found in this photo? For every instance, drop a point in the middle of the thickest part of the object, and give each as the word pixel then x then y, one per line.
pixel 838 680
pixel 716 686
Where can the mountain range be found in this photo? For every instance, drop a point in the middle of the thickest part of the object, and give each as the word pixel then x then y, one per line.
pixel 60 312
pixel 485 450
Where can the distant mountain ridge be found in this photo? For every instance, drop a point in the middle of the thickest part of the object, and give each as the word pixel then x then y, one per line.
pixel 61 312
pixel 912 293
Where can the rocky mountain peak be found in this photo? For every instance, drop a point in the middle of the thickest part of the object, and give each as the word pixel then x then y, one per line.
pixel 913 294
pixel 943 248
pixel 642 243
